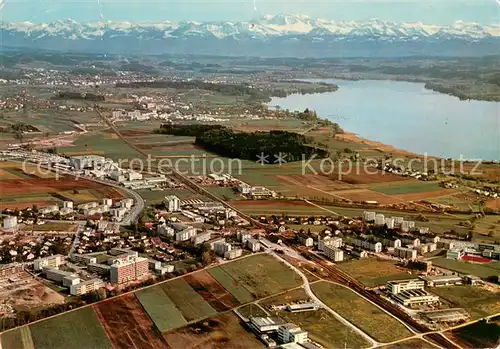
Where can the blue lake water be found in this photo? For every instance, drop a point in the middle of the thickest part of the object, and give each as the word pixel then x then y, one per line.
pixel 408 116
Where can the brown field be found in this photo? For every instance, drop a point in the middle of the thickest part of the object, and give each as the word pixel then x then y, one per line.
pixel 211 291
pixel 367 195
pixel 4 175
pixel 24 205
pixel 368 176
pixel 127 325
pixel 316 181
pixel 426 194
pixel 219 332
pixel 52 185
pixel 493 203
pixel 270 203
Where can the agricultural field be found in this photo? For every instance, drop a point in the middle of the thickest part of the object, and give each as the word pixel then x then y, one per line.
pixel 374 272
pixel 76 329
pixel 224 193
pixel 322 326
pixel 360 312
pixel 160 308
pixel 187 300
pixel 410 187
pixel 479 301
pixel 262 275
pixel 221 331
pixel 125 324
pixel 487 229
pixel 238 291
pixel 211 291
pixel 19 338
pixel 477 335
pixel 410 343
pixel 485 271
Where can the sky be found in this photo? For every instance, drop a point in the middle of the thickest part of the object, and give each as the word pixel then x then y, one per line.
pixel 486 12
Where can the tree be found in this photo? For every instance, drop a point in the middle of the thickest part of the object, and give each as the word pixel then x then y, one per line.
pixel 207 254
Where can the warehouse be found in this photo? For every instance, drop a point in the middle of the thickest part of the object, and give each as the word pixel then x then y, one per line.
pixel 410 292
pixel 446 315
pixel 442 280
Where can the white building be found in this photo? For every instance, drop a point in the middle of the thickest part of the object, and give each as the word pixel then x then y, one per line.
pixel 232 254
pixel 368 245
pixel 186 234
pixel 127 203
pixel 10 222
pixel 51 261
pixel 68 204
pixel 172 203
pixel 335 254
pixel 243 236
pixel 405 253
pixel 107 202
pixel 86 287
pixel 201 238
pixel 165 230
pixel 253 245
pixel 390 223
pixel 87 162
pixel 368 216
pixel 407 225
pixel 291 333
pixel 379 219
pixel 118 213
pixel 330 242
pixel 222 247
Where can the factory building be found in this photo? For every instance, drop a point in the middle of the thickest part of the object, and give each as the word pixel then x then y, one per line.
pixel 446 315
pixel 265 324
pixel 442 280
pixel 410 292
pixel 291 333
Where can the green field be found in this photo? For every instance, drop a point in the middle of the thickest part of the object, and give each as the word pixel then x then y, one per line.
pixel 160 308
pixel 292 296
pixel 360 312
pixel 373 272
pixel 479 334
pixel 190 303
pixel 405 188
pixel 411 343
pixel 239 292
pixel 76 329
pixel 262 275
pixel 491 269
pixel 478 301
pixel 19 338
pixel 224 193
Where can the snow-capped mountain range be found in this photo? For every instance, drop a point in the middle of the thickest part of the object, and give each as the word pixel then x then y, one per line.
pixel 267 35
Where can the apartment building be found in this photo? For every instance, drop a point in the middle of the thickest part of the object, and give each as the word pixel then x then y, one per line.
pixel 329 241
pixel 86 287
pixel 335 254
pixel 222 247
pixel 55 274
pixel 172 203
pixel 367 245
pixel 82 258
pixel 128 269
pixel 51 262
pixel 253 245
pixel 201 238
pixel 405 253
pixel 232 254
pixel 98 268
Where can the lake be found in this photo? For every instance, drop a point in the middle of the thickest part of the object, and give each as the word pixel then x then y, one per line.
pixel 407 116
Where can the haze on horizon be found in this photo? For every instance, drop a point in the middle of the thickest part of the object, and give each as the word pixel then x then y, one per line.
pixel 485 12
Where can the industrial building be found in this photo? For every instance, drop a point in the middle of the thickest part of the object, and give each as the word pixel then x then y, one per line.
pixel 297 308
pixel 86 287
pixel 265 324
pixel 172 203
pixel 51 261
pixel 410 292
pixel 128 269
pixel 446 315
pixel 91 162
pixel 291 333
pixel 442 280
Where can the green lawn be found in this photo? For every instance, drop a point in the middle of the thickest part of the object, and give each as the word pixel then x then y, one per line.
pixel 478 301
pixel 190 303
pixel 252 310
pixel 491 269
pixel 360 312
pixel 285 298
pixel 76 329
pixel 160 308
pixel 405 188
pixel 239 292
pixel 373 272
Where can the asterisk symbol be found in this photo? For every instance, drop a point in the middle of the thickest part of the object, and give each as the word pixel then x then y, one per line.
pixel 280 158
pixel 262 159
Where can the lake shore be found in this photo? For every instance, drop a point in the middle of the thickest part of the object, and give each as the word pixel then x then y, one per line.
pixel 386 148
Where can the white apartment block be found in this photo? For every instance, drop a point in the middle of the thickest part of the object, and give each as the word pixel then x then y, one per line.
pixel 330 242
pixel 335 254
pixel 379 219
pixel 405 253
pixel 253 245
pixel 10 222
pixel 86 287
pixel 82 258
pixel 222 247
pixel 186 234
pixel 232 254
pixel 368 245
pixel 51 262
pixel 369 216
pixel 172 203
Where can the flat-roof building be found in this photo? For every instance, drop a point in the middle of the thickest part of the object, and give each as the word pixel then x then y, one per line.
pixel 291 333
pixel 51 261
pixel 129 269
pixel 442 280
pixel 172 203
pixel 410 292
pixel 265 324
pixel 446 315
pixel 86 287
pixel 335 254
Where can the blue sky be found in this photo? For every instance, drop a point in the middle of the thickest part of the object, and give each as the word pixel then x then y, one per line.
pixel 427 11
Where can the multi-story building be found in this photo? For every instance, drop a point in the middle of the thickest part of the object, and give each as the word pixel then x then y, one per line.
pixel 107 202
pixel 68 204
pixel 291 333
pixel 70 280
pixel 405 253
pixel 91 162
pixel 186 234
pixel 221 248
pixel 126 203
pixel 415 242
pixel 82 258
pixel 172 203
pixel 128 269
pixel 369 216
pixel 51 262
pixel 368 245
pixel 243 236
pixel 98 268
pixel 395 287
pixel 454 254
pixel 10 222
pixel 201 238
pixel 253 245
pixel 390 223
pixel 406 226
pixel 390 242
pixel 305 239
pixel 329 241
pixel 410 292
pixel 86 287
pixel 8 270
pixel 232 254
pixel 165 230
pixel 55 274
pixel 335 254
pixel 379 219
